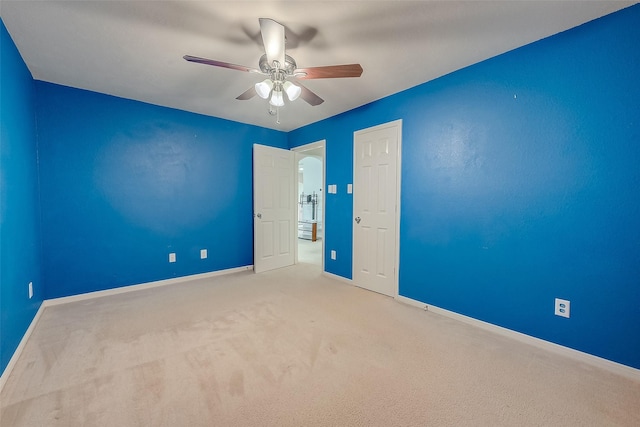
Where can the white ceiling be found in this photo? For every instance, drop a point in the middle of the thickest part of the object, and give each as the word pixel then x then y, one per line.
pixel 134 49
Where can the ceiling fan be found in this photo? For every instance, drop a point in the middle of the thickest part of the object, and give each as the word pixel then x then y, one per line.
pixel 280 69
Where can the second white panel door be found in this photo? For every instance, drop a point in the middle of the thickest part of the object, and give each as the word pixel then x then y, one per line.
pixel 375 196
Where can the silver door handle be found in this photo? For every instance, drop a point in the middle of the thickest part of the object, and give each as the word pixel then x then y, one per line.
pixel 358 219
pixel 259 216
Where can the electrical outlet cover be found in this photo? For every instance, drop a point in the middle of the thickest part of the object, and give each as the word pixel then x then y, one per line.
pixel 563 308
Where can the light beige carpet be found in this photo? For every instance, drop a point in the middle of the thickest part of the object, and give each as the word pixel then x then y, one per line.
pixel 310 252
pixel 292 348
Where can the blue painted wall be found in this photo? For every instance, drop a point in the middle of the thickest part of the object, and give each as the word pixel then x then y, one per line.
pixel 19 212
pixel 125 183
pixel 520 184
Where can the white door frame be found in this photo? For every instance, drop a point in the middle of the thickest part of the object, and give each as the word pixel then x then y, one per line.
pixel 398 125
pixel 322 144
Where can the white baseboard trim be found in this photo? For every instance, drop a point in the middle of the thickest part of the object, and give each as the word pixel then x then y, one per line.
pixel 411 302
pixel 133 288
pixel 579 356
pixel 20 348
pixel 338 278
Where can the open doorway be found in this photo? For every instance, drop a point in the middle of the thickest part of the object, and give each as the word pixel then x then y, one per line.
pixel 310 161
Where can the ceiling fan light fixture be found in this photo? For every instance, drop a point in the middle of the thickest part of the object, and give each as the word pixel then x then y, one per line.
pixel 293 91
pixel 278 67
pixel 263 89
pixel 277 100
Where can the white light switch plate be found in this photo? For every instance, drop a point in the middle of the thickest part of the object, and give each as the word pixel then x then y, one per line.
pixel 203 254
pixel 349 188
pixel 172 257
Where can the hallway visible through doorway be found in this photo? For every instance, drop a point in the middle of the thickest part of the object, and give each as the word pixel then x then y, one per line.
pixel 310 252
pixel 310 190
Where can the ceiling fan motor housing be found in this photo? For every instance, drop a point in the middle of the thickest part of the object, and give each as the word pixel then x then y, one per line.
pixel 278 72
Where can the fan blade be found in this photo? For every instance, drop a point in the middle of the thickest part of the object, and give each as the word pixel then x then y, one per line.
pixel 329 72
pixel 221 64
pixel 273 39
pixel 310 97
pixel 248 94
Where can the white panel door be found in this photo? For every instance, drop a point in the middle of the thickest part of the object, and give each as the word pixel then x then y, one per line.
pixel 375 208
pixel 274 227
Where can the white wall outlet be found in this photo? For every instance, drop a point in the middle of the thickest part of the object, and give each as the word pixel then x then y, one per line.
pixel 172 257
pixel 333 255
pixel 30 290
pixel 349 188
pixel 203 253
pixel 563 307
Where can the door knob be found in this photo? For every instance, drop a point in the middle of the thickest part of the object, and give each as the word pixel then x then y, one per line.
pixel 358 219
pixel 259 216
